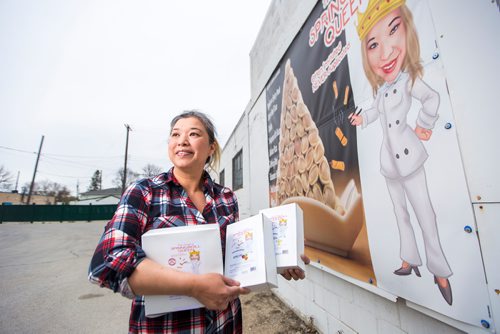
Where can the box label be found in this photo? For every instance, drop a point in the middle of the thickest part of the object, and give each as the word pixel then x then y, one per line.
pixel 243 258
pixel 280 233
pixel 185 257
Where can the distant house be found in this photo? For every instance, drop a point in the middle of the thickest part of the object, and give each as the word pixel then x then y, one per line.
pixel 103 196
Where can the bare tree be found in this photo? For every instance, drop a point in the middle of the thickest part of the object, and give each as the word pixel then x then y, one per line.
pixel 5 178
pixel 151 170
pixel 131 177
pixel 64 195
pixel 48 188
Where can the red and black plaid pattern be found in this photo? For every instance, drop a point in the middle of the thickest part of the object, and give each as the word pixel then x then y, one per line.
pixel 161 202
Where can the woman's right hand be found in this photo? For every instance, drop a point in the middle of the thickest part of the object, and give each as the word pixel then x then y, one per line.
pixel 215 291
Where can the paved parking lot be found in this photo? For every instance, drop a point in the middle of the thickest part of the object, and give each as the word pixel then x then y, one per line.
pixel 43 281
pixel 44 286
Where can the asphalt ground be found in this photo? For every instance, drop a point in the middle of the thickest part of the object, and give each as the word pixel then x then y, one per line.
pixel 44 286
pixel 43 281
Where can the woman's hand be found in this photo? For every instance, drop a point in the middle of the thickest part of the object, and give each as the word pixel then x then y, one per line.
pixel 215 291
pixel 296 274
pixel 355 119
pixel 423 134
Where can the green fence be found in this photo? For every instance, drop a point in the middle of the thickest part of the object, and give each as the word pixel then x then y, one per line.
pixel 32 213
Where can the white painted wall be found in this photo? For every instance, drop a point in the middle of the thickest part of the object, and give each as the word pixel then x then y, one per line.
pixel 282 22
pixel 236 142
pixel 99 201
pixel 337 306
pixel 259 158
pixel 334 302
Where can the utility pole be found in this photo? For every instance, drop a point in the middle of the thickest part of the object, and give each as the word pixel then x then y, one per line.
pixel 34 173
pixel 124 180
pixel 17 181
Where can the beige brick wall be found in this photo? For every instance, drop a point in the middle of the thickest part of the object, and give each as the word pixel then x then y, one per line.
pixel 18 199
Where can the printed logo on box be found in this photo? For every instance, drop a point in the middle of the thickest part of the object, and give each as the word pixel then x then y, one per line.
pixel 280 231
pixel 185 257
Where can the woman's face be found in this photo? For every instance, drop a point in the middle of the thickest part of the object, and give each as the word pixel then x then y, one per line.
pixel 189 144
pixel 386 46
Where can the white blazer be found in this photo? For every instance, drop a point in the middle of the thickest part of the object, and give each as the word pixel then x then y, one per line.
pixel 402 152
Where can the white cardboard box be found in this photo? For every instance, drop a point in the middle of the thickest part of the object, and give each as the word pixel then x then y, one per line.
pixel 195 249
pixel 288 234
pixel 250 255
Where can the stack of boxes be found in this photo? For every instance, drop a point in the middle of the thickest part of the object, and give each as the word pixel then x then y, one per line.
pixel 257 249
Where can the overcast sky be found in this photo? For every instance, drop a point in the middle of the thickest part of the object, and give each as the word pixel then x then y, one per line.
pixel 76 71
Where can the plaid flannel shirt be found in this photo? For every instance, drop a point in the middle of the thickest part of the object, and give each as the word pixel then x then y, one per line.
pixel 161 202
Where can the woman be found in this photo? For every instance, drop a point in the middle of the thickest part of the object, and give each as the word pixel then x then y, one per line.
pixel 185 195
pixel 391 60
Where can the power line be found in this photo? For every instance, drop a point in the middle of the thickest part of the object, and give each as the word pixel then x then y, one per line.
pixel 17 150
pixel 64 155
pixel 71 177
pixel 50 159
pixel 84 156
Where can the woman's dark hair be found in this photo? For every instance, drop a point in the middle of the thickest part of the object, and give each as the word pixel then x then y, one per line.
pixel 212 161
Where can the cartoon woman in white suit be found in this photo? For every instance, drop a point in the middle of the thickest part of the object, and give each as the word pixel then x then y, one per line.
pixel 391 60
pixel 194 257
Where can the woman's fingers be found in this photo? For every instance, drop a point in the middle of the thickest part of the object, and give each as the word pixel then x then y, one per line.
pixel 294 274
pixel 286 275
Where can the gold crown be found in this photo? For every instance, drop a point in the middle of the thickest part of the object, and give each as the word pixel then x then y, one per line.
pixel 375 10
pixel 194 252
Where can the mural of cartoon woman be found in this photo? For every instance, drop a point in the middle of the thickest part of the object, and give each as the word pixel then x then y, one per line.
pixel 391 60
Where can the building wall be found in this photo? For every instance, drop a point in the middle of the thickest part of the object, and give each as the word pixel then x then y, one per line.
pixel 283 19
pixel 238 141
pixel 258 159
pixel 16 198
pixel 334 302
pixel 334 305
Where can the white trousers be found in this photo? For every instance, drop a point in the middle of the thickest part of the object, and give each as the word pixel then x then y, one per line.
pixel 415 188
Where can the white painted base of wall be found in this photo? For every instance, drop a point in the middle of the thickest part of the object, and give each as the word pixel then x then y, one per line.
pixel 338 306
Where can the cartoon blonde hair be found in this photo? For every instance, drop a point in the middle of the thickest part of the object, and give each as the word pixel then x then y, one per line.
pixel 194 252
pixel 411 64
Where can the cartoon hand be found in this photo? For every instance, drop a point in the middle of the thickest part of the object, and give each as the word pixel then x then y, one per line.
pixel 423 134
pixel 355 119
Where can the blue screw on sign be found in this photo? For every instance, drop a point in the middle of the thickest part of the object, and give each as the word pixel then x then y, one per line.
pixel 447 126
pixel 485 324
pixel 468 229
pixel 435 55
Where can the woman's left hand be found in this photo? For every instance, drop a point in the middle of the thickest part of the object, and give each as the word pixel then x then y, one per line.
pixel 423 134
pixel 296 274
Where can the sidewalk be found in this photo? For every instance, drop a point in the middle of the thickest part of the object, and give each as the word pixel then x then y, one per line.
pixel 43 279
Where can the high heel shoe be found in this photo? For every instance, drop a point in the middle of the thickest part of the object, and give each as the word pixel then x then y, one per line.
pixel 445 291
pixel 407 271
